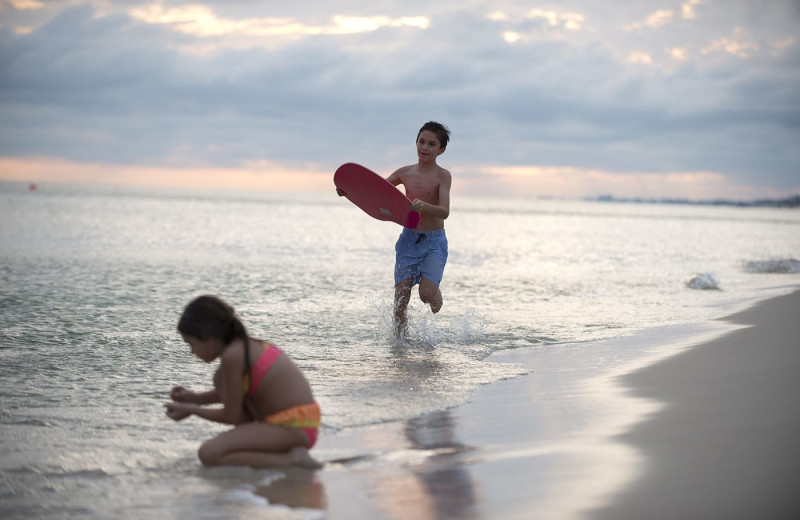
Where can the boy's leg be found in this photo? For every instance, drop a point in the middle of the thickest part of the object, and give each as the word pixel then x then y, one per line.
pixel 430 294
pixel 432 268
pixel 402 295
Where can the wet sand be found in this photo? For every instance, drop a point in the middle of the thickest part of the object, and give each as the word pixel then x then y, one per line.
pixel 712 430
pixel 728 443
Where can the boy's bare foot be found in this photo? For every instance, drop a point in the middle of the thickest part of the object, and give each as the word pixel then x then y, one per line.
pixel 301 457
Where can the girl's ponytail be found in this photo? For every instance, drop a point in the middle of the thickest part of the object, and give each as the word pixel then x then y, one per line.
pixel 209 317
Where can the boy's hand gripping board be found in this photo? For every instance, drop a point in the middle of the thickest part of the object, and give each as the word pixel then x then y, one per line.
pixel 375 195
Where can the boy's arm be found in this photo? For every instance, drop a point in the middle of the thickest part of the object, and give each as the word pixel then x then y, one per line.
pixel 394 179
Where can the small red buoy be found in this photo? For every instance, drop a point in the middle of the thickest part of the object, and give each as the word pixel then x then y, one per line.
pixel 32 187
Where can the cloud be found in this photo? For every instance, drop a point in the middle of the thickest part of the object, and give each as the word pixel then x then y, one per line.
pixel 640 57
pixel 679 53
pixel 779 46
pixel 227 85
pixel 569 21
pixel 738 47
pixel 688 11
pixel 202 21
pixel 24 4
pixel 655 20
pixel 536 24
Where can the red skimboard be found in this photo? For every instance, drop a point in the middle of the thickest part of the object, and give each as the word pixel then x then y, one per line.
pixel 375 195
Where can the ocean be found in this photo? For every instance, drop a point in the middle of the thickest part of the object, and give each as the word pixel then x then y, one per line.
pixel 93 280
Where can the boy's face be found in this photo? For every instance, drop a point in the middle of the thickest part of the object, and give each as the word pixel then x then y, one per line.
pixel 428 146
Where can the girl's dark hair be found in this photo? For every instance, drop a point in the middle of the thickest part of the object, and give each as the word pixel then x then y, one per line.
pixel 209 317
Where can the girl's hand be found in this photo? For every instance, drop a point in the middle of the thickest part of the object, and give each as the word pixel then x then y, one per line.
pixel 177 412
pixel 181 395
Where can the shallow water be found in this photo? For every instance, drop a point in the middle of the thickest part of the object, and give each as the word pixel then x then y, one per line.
pixel 92 282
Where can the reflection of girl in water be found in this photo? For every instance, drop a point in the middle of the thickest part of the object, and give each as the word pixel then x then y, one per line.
pixel 269 401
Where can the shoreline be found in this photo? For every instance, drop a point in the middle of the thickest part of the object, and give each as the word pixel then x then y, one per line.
pixel 726 444
pixel 562 443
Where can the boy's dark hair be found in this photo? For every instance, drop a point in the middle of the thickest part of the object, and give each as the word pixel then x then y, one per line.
pixel 441 131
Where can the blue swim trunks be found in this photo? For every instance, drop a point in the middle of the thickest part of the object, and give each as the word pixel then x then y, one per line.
pixel 420 253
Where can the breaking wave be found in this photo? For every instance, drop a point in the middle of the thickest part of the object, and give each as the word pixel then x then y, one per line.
pixel 781 265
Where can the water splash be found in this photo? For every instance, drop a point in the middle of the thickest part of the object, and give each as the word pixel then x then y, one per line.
pixel 703 282
pixel 462 329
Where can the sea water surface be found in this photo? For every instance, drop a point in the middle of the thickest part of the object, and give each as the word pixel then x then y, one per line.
pixel 93 280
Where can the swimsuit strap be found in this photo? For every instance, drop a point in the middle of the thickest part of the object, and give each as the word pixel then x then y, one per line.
pixel 246 364
pixel 264 363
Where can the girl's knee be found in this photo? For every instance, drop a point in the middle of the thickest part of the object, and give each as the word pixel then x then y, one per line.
pixel 208 455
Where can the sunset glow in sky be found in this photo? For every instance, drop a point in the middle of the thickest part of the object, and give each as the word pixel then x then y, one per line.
pixel 653 98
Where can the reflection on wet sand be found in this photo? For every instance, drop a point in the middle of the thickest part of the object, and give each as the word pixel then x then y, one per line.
pixel 414 470
pixel 424 477
pixel 446 485
pixel 300 487
pixel 427 479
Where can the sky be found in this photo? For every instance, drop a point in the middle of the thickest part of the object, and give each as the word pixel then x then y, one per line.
pixel 695 99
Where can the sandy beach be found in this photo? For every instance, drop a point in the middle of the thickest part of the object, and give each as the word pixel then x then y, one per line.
pixel 709 431
pixel 728 443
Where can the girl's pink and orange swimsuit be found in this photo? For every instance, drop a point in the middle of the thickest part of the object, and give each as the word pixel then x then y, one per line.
pixel 305 416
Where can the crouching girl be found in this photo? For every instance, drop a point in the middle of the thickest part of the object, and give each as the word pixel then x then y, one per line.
pixel 264 395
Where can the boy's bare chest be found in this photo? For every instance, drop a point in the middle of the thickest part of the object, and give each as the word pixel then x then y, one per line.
pixel 421 187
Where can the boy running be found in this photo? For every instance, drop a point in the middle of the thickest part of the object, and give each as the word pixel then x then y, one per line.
pixel 421 253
